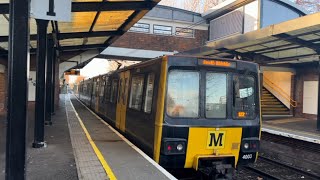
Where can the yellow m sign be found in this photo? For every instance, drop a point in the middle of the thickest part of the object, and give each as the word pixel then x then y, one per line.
pixel 216 139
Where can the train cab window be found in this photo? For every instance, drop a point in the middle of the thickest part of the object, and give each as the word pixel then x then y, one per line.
pixel 149 94
pixel 136 92
pixel 114 90
pixel 183 93
pixel 216 95
pixel 244 103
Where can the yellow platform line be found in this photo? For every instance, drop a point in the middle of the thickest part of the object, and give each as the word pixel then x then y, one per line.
pixel 96 150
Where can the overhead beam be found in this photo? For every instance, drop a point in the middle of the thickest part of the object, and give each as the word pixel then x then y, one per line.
pixel 298 41
pixel 101 6
pixel 62 36
pixel 82 47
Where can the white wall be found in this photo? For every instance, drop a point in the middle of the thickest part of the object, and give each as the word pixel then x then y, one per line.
pixel 282 80
pixel 310 97
pixel 32 87
pixel 251 16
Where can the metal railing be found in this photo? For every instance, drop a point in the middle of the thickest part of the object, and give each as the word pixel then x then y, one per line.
pixel 280 91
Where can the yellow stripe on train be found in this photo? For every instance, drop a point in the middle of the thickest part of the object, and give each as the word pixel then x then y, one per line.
pixel 212 142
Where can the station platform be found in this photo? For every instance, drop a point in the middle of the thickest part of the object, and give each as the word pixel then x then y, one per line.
pixel 297 128
pixel 80 145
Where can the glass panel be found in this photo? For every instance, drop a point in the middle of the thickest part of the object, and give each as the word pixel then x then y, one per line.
pixel 94 89
pixel 81 22
pixel 136 92
pixel 244 104
pixel 4 24
pixel 149 94
pixel 140 27
pixel 114 90
pixel 216 95
pixel 158 29
pixel 183 93
pixel 108 90
pixel 184 32
pixel 120 90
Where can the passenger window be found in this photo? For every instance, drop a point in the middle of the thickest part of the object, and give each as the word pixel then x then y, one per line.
pixel 108 89
pixel 102 84
pixel 136 92
pixel 183 93
pixel 94 89
pixel 216 95
pixel 114 90
pixel 120 90
pixel 149 94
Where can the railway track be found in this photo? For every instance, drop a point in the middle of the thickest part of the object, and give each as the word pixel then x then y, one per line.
pixel 274 170
pixel 295 143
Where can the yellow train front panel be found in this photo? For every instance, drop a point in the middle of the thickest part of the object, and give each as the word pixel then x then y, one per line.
pixel 212 143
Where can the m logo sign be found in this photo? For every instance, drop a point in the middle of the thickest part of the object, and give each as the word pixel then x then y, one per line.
pixel 216 139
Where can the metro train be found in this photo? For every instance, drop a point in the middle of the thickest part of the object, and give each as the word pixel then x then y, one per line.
pixel 185 112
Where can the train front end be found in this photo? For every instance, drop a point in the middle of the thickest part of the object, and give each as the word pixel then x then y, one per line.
pixel 211 115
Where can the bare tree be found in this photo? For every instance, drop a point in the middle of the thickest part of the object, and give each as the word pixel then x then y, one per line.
pixel 310 5
pixel 192 5
pixel 209 4
pixel 171 3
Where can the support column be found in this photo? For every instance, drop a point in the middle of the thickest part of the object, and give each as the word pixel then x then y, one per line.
pixel 54 64
pixel 50 52
pixel 40 84
pixel 318 116
pixel 18 68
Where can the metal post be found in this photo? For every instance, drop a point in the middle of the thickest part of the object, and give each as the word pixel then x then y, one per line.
pixel 50 51
pixel 54 63
pixel 40 84
pixel 318 116
pixel 18 66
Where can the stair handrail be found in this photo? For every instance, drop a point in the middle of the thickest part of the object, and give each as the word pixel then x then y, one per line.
pixel 292 102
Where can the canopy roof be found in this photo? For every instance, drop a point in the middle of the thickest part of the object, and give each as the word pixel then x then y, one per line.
pixel 293 41
pixel 95 23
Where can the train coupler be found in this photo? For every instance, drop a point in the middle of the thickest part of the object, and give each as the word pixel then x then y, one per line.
pixel 218 170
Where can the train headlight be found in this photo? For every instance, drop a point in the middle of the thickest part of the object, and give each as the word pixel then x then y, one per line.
pixel 246 145
pixel 250 144
pixel 172 146
pixel 179 147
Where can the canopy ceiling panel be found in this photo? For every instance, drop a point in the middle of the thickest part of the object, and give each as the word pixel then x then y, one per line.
pixel 81 22
pixel 111 20
pixel 294 40
pixel 94 23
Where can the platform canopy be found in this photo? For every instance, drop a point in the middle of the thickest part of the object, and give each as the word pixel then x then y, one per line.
pixel 95 24
pixel 293 41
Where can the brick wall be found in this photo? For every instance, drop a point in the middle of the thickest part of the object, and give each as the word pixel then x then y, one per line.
pixel 161 42
pixel 304 73
pixel 3 91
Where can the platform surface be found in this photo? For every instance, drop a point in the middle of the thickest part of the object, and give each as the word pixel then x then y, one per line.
pixel 298 128
pixel 124 160
pixel 56 161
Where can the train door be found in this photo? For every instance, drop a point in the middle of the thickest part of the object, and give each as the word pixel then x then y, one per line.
pixel 122 100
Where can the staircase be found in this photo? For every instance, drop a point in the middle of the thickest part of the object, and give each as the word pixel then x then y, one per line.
pixel 273 107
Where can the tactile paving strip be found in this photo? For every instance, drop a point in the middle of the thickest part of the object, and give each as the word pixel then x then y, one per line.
pixel 88 165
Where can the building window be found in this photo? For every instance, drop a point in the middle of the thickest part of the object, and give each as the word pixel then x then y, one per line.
pixel 136 92
pixel 149 94
pixel 159 29
pixel 141 27
pixel 184 32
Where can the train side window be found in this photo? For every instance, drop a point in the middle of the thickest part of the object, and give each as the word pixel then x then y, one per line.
pixel 102 84
pixel 136 92
pixel 114 90
pixel 94 89
pixel 183 94
pixel 108 90
pixel 149 93
pixel 216 95
pixel 120 90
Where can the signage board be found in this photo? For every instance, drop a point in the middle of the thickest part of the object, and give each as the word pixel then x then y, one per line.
pixel 57 10
pixel 217 63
